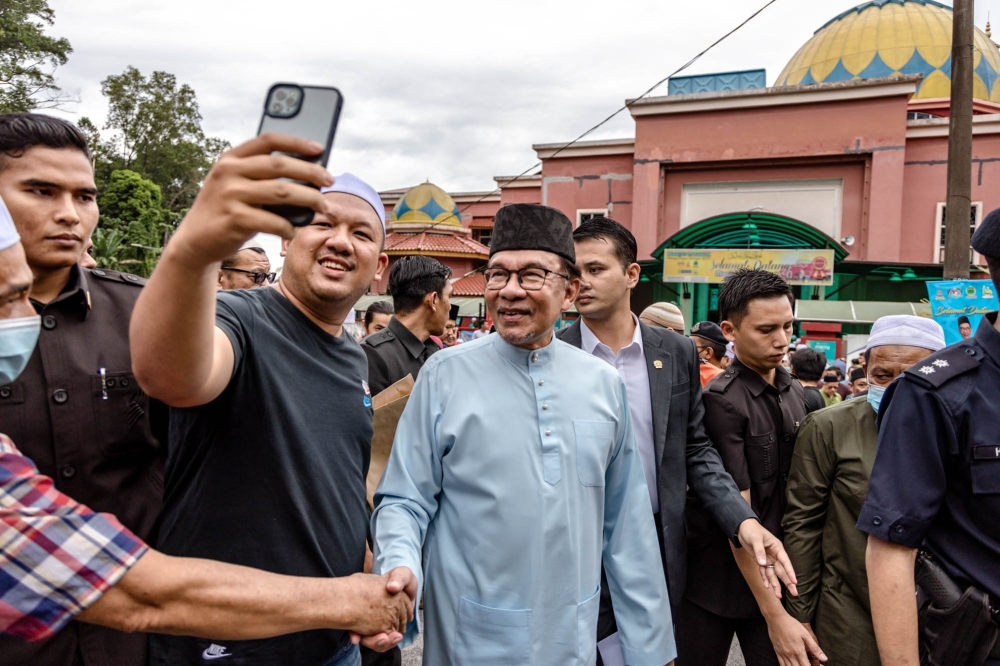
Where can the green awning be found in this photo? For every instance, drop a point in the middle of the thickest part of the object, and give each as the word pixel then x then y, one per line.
pixel 856 312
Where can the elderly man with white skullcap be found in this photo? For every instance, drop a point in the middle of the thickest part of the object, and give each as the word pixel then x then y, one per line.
pixel 827 484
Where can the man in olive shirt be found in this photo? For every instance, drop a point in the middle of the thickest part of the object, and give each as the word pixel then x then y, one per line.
pixel 827 484
pixel 76 410
pixel 421 296
pixel 752 412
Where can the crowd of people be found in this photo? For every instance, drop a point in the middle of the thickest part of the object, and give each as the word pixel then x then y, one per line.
pixel 183 461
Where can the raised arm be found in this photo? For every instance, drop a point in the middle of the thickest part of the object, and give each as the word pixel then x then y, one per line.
pixel 178 355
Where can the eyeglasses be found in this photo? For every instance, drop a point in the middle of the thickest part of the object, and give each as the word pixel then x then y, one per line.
pixel 530 279
pixel 258 278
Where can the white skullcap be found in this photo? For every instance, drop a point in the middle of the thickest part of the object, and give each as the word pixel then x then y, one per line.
pixel 664 315
pixel 348 183
pixel 907 330
pixel 8 234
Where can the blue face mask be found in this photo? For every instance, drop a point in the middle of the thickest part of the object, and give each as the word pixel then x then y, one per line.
pixel 17 342
pixel 875 394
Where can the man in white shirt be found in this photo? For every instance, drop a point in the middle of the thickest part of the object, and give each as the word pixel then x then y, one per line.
pixel 660 368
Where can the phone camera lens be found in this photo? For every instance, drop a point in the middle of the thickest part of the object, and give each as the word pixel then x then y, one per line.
pixel 280 95
pixel 277 109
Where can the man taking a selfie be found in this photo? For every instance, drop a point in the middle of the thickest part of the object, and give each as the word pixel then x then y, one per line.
pixel 272 421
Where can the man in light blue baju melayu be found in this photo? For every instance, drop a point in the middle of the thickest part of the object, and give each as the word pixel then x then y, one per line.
pixel 513 472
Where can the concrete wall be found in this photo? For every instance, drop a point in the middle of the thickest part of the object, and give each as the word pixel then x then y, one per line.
pixel 589 183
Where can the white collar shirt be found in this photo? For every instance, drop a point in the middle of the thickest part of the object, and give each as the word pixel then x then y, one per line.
pixel 630 362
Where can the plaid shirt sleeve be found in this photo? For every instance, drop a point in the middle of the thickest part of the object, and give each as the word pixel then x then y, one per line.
pixel 57 557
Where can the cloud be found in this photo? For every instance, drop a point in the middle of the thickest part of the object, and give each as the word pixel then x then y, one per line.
pixel 455 92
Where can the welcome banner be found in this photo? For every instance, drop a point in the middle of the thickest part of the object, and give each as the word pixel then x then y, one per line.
pixel 958 305
pixel 803 267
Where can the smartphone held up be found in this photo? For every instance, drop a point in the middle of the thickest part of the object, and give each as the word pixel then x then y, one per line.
pixel 309 112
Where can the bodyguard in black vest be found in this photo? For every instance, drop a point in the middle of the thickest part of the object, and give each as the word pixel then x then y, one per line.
pixel 421 297
pixel 935 487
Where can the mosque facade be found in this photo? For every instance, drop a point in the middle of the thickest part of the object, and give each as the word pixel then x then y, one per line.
pixel 845 155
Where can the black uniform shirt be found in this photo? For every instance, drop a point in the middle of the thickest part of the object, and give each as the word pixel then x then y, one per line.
pixel 753 425
pixel 393 353
pixel 936 479
pixel 96 435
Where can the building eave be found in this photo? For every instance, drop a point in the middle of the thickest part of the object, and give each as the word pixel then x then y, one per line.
pixel 546 151
pixel 475 197
pixel 437 253
pixel 778 96
pixel 938 127
pixel 505 182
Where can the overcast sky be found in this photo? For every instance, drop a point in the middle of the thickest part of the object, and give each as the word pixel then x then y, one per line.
pixel 455 92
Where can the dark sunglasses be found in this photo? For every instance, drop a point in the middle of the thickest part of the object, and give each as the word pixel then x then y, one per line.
pixel 258 278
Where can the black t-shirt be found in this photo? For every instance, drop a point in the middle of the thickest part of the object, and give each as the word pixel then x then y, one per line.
pixel 271 474
pixel 814 399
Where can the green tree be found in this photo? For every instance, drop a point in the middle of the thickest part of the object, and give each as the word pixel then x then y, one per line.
pixel 133 226
pixel 29 57
pixel 128 196
pixel 156 131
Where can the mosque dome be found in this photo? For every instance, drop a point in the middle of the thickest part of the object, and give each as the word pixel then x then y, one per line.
pixel 426 204
pixel 892 38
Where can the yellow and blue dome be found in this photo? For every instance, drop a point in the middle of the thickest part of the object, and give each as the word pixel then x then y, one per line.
pixel 892 38
pixel 426 204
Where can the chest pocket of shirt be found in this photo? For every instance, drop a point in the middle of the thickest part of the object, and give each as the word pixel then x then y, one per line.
pixel 761 454
pixel 122 418
pixel 594 440
pixel 487 636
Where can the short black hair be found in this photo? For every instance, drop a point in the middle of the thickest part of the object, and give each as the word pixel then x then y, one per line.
pixel 22 131
pixel 413 277
pixel 378 307
pixel 718 350
pixel 809 365
pixel 746 285
pixel 604 228
pixel 229 262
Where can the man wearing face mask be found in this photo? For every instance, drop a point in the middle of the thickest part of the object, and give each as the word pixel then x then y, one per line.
pixel 76 410
pixel 831 466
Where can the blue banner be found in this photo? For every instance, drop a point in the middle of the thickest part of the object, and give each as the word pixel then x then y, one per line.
pixel 958 305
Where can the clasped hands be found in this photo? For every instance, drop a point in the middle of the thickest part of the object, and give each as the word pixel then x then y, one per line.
pixel 388 603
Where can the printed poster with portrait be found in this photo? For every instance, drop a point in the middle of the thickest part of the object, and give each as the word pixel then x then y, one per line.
pixel 958 305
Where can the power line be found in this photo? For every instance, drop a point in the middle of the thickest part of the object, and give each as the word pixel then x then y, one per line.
pixel 625 106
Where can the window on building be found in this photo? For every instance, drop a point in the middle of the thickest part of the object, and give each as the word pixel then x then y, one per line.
pixel 920 115
pixel 939 232
pixel 584 214
pixel 484 236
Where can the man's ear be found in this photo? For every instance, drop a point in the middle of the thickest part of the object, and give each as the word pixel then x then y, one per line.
pixel 728 330
pixel 431 300
pixel 633 272
pixel 219 283
pixel 284 246
pixel 572 291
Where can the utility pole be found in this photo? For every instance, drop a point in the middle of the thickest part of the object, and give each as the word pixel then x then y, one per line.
pixel 959 206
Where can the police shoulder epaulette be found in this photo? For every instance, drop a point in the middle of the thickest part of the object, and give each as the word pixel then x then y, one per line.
pixel 946 364
pixel 116 276
pixel 385 335
pixel 720 384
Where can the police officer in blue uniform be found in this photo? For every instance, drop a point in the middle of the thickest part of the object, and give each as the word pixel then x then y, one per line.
pixel 933 505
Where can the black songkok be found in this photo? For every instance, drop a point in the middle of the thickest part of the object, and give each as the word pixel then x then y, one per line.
pixel 986 240
pixel 533 227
